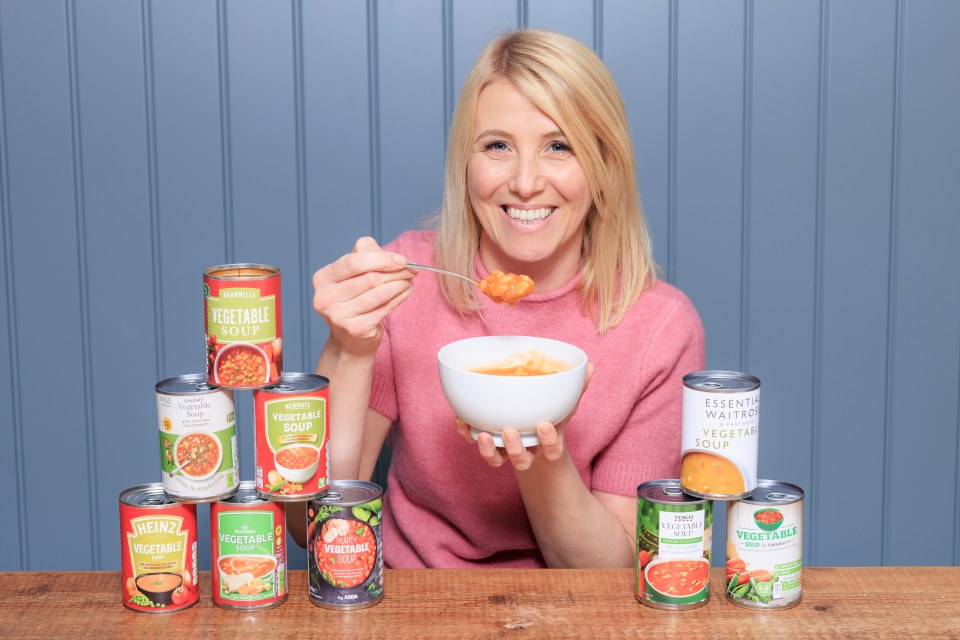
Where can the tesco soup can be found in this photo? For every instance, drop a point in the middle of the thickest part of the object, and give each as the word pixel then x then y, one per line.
pixel 242 322
pixel 292 433
pixel 344 546
pixel 248 554
pixel 198 439
pixel 674 531
pixel 721 432
pixel 158 551
pixel 765 547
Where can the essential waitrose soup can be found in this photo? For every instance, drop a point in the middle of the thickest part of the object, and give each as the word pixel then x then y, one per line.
pixel 674 531
pixel 721 432
pixel 292 433
pixel 344 546
pixel 765 547
pixel 158 551
pixel 242 322
pixel 198 439
pixel 248 554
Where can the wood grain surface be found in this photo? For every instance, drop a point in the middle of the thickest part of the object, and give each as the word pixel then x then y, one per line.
pixel 892 602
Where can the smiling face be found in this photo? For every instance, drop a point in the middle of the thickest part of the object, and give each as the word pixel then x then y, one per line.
pixel 526 188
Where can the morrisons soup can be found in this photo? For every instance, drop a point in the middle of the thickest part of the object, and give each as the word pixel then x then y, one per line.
pixel 674 530
pixel 248 554
pixel 198 439
pixel 344 546
pixel 158 551
pixel 720 437
pixel 242 321
pixel 765 547
pixel 292 433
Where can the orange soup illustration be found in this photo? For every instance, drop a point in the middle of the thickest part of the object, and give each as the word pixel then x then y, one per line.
pixel 710 474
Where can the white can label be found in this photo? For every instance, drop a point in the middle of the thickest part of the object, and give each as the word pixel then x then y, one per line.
pixel 765 542
pixel 721 432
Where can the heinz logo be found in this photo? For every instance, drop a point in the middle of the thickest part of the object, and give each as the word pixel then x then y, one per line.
pixel 145 527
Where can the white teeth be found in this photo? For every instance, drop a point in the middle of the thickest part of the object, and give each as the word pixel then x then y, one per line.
pixel 529 215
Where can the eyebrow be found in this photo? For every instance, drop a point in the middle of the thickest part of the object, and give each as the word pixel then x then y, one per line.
pixel 556 133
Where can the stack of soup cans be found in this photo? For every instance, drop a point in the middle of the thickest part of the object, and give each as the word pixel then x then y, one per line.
pixel 719 454
pixel 199 463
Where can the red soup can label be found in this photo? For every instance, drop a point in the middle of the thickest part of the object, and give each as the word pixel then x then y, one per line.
pixel 242 321
pixel 158 551
pixel 292 432
pixel 248 557
pixel 344 546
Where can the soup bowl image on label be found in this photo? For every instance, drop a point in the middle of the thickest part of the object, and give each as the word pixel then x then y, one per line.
pixel 197 455
pixel 297 462
pixel 241 365
pixel 678 582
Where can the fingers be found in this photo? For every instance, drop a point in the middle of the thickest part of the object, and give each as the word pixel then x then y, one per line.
pixel 488 450
pixel 551 444
pixel 518 454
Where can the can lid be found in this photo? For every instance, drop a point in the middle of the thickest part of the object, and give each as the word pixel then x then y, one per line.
pixel 146 495
pixel 775 492
pixel 246 494
pixel 720 381
pixel 191 384
pixel 350 492
pixel 666 492
pixel 298 383
pixel 237 271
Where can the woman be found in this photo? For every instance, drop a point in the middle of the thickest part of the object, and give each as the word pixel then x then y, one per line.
pixel 539 181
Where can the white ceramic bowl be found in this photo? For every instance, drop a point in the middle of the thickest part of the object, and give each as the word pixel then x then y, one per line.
pixel 301 474
pixel 492 403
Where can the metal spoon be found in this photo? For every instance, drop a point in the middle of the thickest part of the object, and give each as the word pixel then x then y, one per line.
pixel 180 468
pixel 444 272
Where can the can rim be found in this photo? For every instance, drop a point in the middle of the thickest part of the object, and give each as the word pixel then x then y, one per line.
pixel 210 272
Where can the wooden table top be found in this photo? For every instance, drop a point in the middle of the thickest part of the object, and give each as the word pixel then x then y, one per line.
pixel 895 602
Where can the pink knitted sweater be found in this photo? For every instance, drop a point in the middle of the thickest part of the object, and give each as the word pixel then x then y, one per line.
pixel 445 507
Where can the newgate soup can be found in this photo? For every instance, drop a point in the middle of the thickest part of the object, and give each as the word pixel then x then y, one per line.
pixel 158 551
pixel 344 546
pixel 721 432
pixel 242 323
pixel 292 432
pixel 765 547
pixel 198 439
pixel 673 546
pixel 248 551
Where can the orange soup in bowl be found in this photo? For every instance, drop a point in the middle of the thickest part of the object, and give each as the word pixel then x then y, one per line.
pixel 202 451
pixel 531 363
pixel 297 457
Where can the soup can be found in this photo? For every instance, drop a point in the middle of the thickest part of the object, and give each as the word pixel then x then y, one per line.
pixel 674 531
pixel 344 546
pixel 242 322
pixel 158 551
pixel 292 433
pixel 765 547
pixel 720 436
pixel 248 554
pixel 198 439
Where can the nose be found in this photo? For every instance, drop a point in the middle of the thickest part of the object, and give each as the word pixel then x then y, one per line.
pixel 527 178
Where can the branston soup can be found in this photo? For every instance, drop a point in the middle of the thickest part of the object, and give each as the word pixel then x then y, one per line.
pixel 721 431
pixel 158 551
pixel 765 547
pixel 344 546
pixel 198 439
pixel 673 546
pixel 248 554
pixel 292 432
pixel 242 320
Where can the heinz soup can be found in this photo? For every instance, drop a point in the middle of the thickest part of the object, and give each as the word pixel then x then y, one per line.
pixel 292 433
pixel 248 554
pixel 198 439
pixel 765 547
pixel 344 546
pixel 158 551
pixel 242 322
pixel 720 436
pixel 674 531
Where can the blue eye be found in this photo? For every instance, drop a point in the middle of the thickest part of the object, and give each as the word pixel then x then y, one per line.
pixel 496 145
pixel 560 147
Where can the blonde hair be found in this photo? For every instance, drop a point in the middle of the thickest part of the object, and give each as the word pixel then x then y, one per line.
pixel 568 82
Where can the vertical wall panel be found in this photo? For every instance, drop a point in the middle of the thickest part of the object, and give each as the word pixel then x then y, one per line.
pixel 853 349
pixel 925 385
pixel 475 24
pixel 572 17
pixel 47 288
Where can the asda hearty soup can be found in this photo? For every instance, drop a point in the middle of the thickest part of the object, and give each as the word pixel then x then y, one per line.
pixel 674 531
pixel 198 439
pixel 248 551
pixel 158 551
pixel 242 324
pixel 765 547
pixel 720 436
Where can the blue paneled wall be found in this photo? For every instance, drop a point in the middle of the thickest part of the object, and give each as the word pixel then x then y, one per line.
pixel 798 162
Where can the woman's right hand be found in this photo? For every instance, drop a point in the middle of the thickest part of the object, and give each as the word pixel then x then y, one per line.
pixel 356 292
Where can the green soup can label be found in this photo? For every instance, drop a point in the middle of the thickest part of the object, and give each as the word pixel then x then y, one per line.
pixel 198 439
pixel 765 547
pixel 674 531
